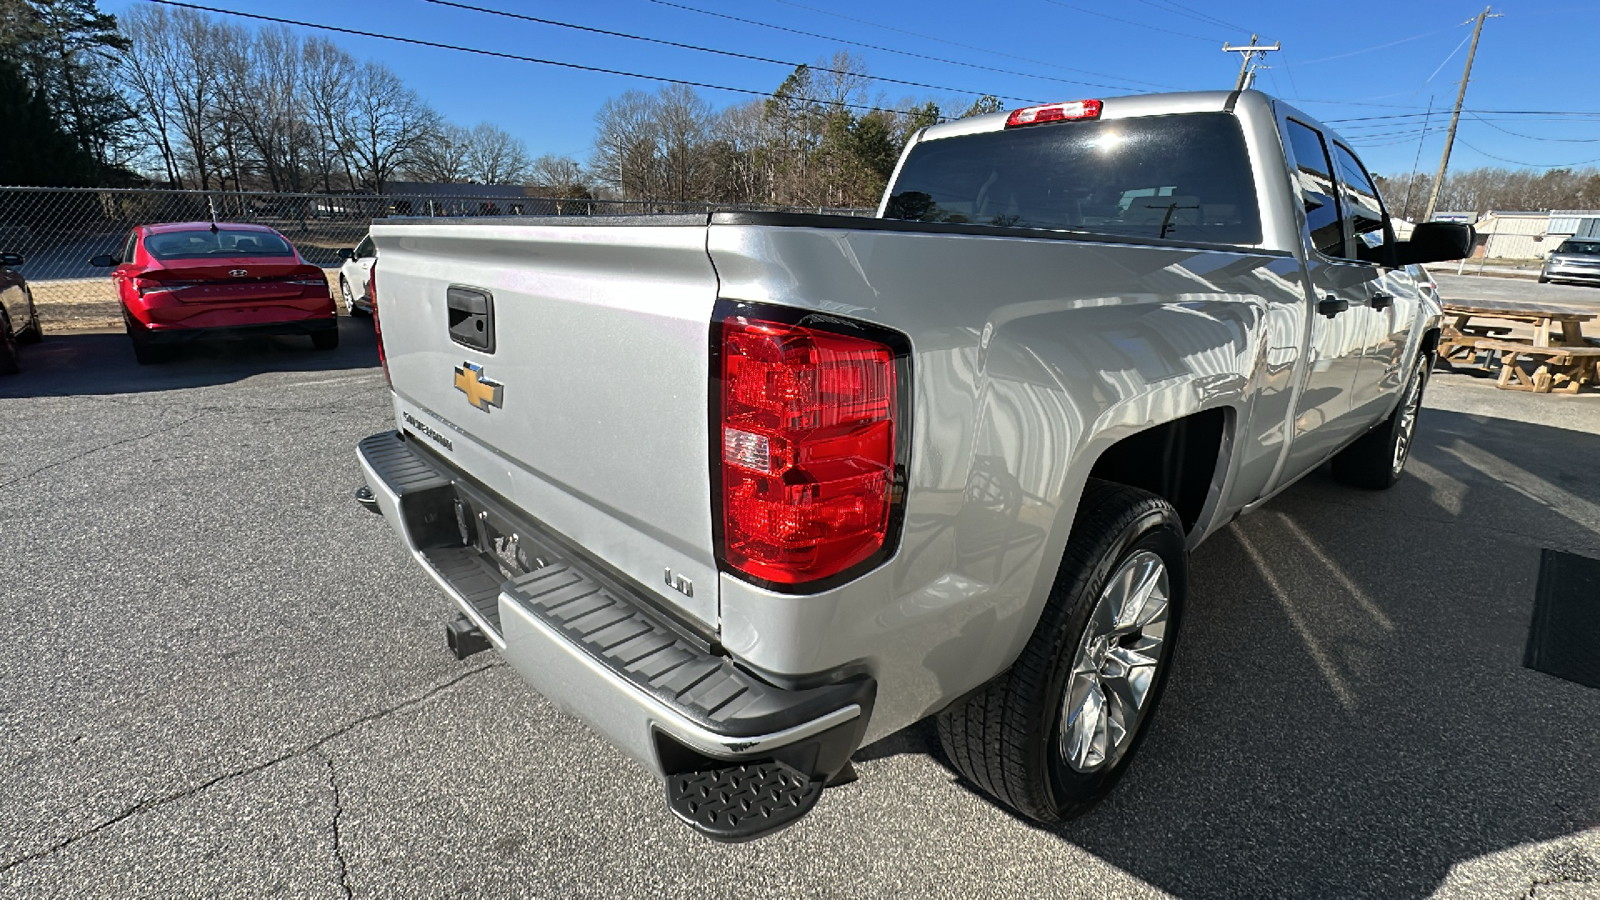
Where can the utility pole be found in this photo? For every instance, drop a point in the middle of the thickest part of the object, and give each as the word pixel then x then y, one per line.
pixel 1455 117
pixel 1247 72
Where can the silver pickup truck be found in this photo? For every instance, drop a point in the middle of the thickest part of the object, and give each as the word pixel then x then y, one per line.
pixel 747 491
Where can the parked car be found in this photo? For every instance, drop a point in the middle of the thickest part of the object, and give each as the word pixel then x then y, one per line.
pixel 1577 259
pixel 749 491
pixel 19 320
pixel 354 273
pixel 187 281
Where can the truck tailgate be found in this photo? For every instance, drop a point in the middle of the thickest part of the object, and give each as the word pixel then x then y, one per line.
pixel 589 410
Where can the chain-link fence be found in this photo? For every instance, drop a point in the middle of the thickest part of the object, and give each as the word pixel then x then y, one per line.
pixel 58 230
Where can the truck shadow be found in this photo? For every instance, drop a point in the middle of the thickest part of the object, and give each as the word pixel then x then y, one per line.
pixel 1349 714
pixel 99 363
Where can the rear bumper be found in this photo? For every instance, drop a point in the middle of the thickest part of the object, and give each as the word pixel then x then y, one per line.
pixel 601 649
pixel 181 334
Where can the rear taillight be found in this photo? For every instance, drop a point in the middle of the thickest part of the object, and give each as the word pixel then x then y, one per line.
pixel 377 327
pixel 807 446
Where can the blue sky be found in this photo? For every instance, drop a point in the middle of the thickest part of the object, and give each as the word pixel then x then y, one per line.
pixel 1534 58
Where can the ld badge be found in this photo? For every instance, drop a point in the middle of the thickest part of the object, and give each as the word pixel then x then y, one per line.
pixel 480 391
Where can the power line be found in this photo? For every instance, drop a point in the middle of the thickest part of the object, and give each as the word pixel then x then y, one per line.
pixel 1415 37
pixel 730 53
pixel 929 37
pixel 1515 162
pixel 1535 137
pixel 1193 14
pixel 1131 22
pixel 512 56
pixel 839 40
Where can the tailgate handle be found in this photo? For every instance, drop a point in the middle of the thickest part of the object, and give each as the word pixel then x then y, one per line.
pixel 471 313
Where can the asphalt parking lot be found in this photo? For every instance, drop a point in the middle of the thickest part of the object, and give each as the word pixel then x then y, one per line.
pixel 223 678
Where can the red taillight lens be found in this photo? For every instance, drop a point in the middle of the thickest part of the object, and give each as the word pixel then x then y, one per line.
pixel 808 449
pixel 1054 112
pixel 377 327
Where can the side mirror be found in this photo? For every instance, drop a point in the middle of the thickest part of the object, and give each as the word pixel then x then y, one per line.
pixel 347 253
pixel 11 259
pixel 104 261
pixel 1436 242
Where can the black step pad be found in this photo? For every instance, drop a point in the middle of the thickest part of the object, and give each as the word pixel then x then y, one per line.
pixel 742 802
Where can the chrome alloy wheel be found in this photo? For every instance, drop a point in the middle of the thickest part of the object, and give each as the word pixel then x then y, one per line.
pixel 1407 425
pixel 349 299
pixel 1114 672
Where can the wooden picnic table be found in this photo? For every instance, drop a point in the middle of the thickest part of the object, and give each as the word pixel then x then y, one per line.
pixel 1564 360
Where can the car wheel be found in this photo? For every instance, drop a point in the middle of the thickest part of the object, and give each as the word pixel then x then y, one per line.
pixel 1377 459
pixel 1052 736
pixel 145 351
pixel 1543 280
pixel 8 349
pixel 325 340
pixel 349 298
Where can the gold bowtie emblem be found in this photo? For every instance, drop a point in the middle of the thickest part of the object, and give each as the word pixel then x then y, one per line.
pixel 480 391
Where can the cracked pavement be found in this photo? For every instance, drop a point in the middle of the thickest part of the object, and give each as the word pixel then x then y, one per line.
pixel 223 678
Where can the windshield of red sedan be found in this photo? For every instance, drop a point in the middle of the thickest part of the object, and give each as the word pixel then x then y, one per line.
pixel 224 242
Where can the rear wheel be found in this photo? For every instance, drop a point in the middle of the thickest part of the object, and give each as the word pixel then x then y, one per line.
pixel 325 340
pixel 1376 460
pixel 1054 734
pixel 145 351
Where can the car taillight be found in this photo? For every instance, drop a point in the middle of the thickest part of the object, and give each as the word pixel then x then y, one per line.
pixel 377 327
pixel 147 286
pixel 808 431
pixel 1054 112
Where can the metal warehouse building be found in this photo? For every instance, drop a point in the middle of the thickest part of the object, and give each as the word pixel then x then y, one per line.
pixel 1531 235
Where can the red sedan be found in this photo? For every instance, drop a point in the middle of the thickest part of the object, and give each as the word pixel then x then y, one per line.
pixel 189 280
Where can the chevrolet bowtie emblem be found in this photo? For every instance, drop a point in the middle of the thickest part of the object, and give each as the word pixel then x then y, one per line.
pixel 480 391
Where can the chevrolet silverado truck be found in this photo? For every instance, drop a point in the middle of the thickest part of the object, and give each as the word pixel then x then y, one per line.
pixel 748 491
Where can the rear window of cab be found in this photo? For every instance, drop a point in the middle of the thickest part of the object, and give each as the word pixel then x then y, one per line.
pixel 1183 177
pixel 223 242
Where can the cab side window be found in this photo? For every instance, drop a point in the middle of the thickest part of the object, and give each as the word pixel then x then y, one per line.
pixel 365 248
pixel 1313 175
pixel 1362 206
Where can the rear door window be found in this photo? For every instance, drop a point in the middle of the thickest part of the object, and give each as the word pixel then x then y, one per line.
pixel 1183 177
pixel 1313 173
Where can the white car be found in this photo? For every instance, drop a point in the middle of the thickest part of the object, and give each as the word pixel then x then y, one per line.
pixel 354 275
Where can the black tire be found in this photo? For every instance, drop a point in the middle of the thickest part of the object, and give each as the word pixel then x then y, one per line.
pixel 145 351
pixel 8 349
pixel 1377 459
pixel 348 297
pixel 1007 737
pixel 1543 280
pixel 325 340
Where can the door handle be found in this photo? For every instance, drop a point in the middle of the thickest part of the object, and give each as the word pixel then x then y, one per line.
pixel 1331 306
pixel 1380 300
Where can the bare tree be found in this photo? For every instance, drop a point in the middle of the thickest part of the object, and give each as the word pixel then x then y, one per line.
pixel 383 122
pixel 440 156
pixel 625 145
pixel 562 176
pixel 330 75
pixel 493 156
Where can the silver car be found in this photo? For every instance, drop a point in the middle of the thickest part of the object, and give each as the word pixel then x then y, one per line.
pixel 1577 259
